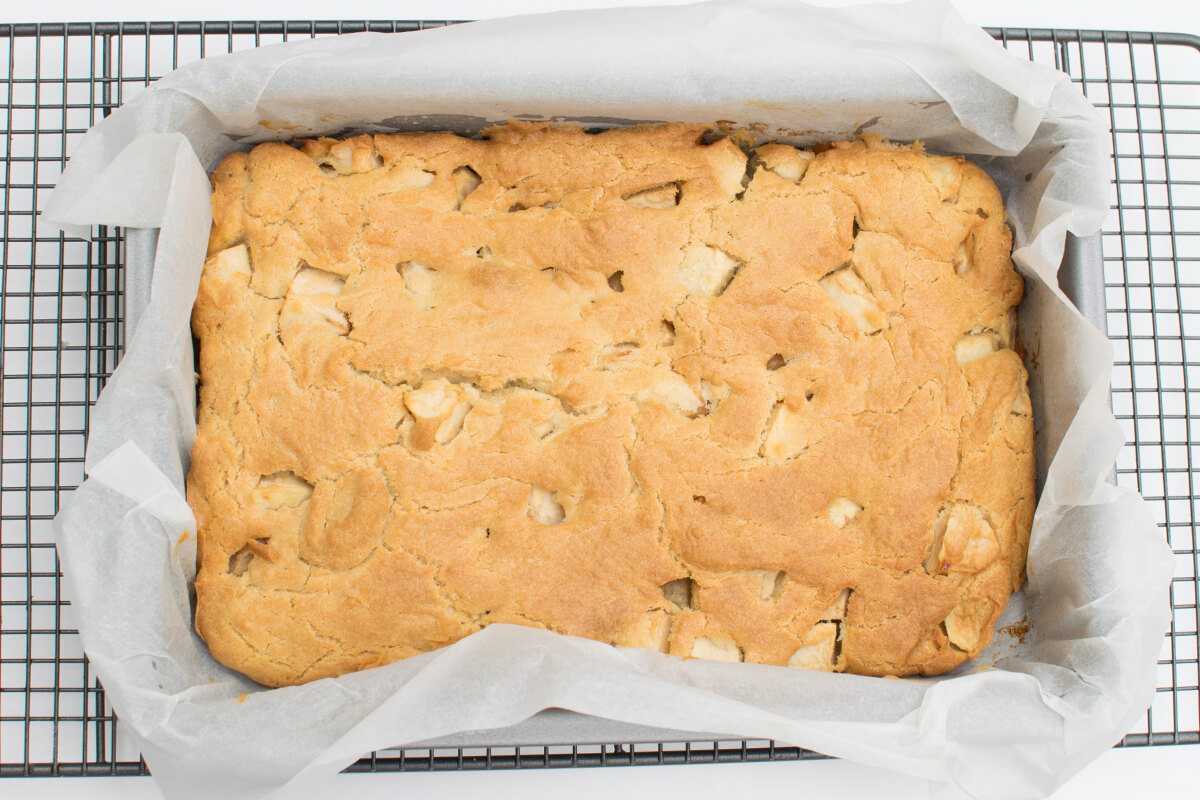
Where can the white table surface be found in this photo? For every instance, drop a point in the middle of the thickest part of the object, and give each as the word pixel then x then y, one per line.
pixel 1154 772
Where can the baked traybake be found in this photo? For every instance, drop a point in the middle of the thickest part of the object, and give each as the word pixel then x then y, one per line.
pixel 630 386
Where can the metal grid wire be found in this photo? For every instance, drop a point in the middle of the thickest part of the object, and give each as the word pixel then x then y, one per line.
pixel 62 332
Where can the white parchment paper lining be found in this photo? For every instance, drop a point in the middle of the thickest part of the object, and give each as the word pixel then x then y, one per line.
pixel 1016 723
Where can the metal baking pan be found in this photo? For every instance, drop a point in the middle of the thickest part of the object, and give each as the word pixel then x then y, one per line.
pixel 67 305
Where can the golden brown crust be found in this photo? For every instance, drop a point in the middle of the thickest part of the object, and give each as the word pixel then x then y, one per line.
pixel 624 386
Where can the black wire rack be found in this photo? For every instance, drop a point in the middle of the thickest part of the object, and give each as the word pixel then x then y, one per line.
pixel 62 332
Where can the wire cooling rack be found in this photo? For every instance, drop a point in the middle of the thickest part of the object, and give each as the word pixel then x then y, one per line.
pixel 62 332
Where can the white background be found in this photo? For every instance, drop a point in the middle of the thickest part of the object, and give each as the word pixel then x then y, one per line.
pixel 1157 772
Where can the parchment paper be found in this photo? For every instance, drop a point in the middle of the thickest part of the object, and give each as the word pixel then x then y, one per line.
pixel 1016 723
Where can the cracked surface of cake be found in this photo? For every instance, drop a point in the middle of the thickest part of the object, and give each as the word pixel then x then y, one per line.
pixel 631 386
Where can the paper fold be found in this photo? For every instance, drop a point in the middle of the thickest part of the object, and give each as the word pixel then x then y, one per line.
pixel 1016 723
